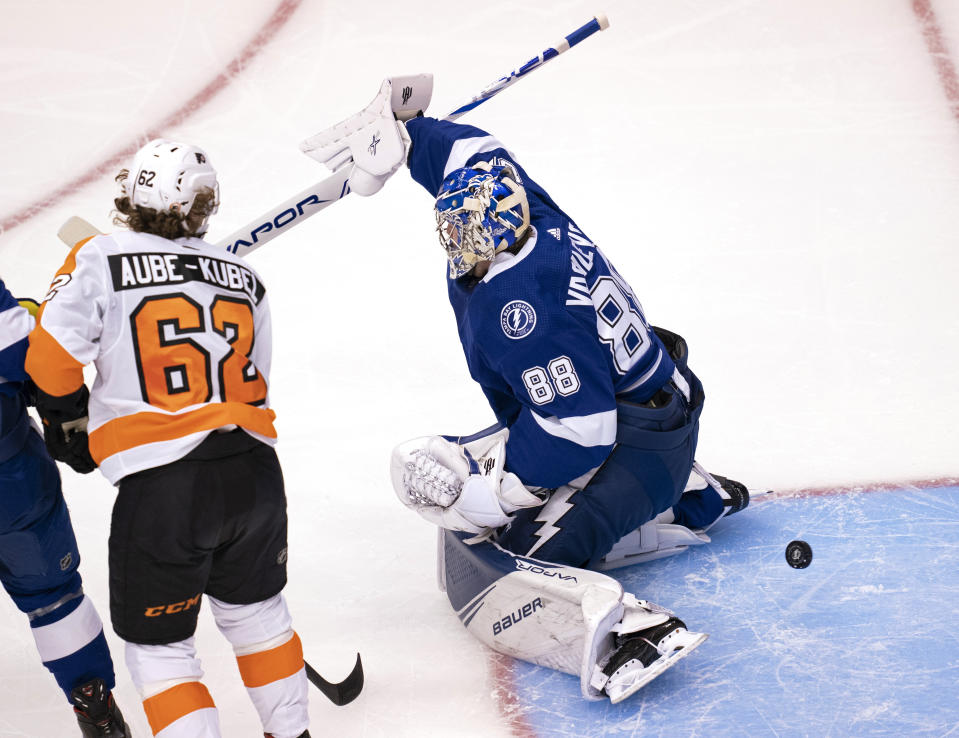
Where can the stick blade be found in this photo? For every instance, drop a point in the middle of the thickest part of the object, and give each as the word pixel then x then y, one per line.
pixel 76 229
pixel 341 693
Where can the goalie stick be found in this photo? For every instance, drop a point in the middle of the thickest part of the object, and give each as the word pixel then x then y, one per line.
pixel 315 198
pixel 312 200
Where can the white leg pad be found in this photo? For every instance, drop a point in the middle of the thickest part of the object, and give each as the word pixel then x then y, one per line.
pixel 556 616
pixel 652 540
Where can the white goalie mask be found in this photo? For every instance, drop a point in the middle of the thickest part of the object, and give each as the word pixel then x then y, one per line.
pixel 167 176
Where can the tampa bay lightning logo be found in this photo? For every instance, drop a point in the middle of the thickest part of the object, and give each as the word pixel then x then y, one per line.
pixel 517 319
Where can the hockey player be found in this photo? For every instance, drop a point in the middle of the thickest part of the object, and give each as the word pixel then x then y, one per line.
pixel 591 465
pixel 179 419
pixel 561 347
pixel 39 559
pixel 592 461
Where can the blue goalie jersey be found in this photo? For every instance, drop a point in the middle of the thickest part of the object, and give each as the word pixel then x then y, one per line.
pixel 553 334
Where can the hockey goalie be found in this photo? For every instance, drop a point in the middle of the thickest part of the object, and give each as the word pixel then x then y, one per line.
pixel 591 465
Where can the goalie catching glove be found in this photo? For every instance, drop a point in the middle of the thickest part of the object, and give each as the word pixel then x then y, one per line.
pixel 375 139
pixel 459 487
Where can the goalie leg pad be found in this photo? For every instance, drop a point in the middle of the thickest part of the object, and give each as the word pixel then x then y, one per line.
pixel 651 541
pixel 556 616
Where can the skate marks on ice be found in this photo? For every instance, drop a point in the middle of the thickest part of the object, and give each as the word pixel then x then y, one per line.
pixel 862 642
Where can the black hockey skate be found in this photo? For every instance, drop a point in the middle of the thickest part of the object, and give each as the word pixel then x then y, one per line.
pixel 97 711
pixel 304 734
pixel 735 495
pixel 642 656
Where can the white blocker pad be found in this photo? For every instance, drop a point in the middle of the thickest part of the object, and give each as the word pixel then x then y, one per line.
pixel 556 616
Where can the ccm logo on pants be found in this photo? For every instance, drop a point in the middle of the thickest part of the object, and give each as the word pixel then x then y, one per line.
pixel 152 612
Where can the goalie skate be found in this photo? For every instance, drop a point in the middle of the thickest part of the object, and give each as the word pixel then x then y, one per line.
pixel 642 656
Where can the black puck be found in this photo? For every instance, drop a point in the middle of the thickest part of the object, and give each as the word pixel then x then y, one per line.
pixel 798 554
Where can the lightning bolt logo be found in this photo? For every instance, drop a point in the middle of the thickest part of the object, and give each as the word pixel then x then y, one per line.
pixel 517 319
pixel 552 512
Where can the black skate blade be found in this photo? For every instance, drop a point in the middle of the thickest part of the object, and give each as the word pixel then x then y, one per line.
pixel 340 693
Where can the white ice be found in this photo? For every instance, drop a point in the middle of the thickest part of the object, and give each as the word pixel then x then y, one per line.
pixel 778 181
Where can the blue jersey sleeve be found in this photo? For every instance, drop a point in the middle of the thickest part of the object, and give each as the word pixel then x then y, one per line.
pixel 564 421
pixel 15 325
pixel 439 147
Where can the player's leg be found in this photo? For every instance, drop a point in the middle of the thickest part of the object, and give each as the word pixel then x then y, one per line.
pixel 643 476
pixel 248 573
pixel 163 531
pixel 704 500
pixel 577 621
pixel 707 498
pixel 270 659
pixel 39 568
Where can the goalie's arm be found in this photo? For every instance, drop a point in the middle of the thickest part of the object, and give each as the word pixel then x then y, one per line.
pixel 409 95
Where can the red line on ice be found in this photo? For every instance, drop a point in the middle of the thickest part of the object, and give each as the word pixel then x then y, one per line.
pixel 284 11
pixel 502 673
pixel 842 489
pixel 936 46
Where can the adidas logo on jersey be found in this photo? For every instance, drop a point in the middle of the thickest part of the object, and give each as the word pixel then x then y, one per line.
pixel 554 232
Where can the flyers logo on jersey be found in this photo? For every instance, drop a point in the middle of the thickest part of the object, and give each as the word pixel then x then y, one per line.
pixel 517 319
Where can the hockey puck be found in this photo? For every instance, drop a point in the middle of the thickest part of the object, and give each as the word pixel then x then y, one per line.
pixel 798 554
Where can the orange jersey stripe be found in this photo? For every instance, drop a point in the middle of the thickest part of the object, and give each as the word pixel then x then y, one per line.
pixel 174 703
pixel 260 669
pixel 51 366
pixel 129 431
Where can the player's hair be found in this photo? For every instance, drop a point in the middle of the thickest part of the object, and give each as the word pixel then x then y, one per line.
pixel 165 224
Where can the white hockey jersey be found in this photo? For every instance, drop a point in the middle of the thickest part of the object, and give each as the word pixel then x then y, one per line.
pixel 180 334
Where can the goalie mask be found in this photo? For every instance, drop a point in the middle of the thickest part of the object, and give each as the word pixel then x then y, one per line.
pixel 480 211
pixel 167 176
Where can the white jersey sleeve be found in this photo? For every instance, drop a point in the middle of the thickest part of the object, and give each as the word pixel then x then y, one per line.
pixel 180 335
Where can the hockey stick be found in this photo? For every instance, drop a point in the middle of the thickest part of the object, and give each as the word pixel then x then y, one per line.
pixel 321 195
pixel 599 23
pixel 312 200
pixel 340 693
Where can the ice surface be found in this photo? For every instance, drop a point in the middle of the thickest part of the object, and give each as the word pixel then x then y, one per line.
pixel 777 180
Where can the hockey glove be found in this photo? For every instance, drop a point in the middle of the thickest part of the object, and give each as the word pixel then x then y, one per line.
pixel 373 139
pixel 65 428
pixel 445 484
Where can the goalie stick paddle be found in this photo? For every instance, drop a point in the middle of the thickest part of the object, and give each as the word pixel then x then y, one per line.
pixel 341 693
